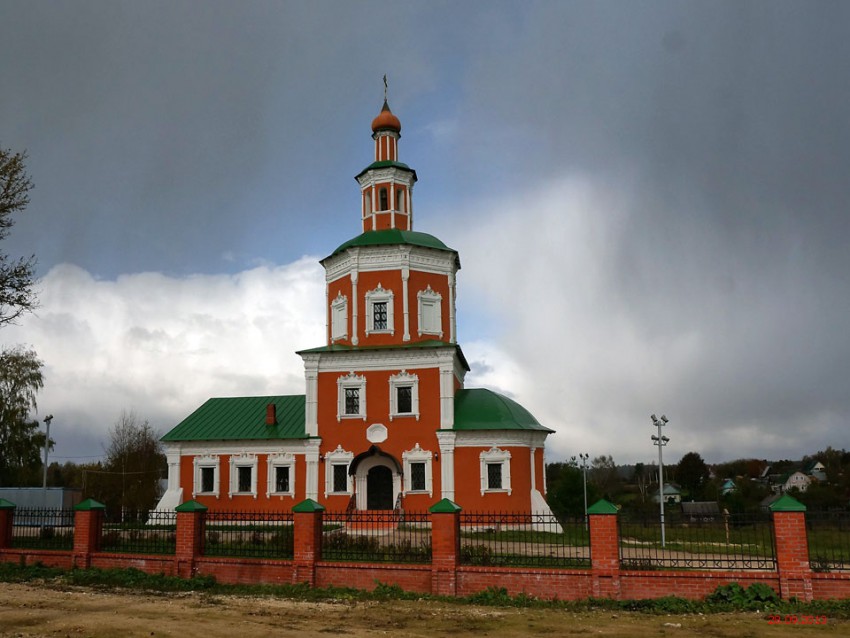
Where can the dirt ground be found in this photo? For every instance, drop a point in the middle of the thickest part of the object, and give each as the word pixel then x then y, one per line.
pixel 27 611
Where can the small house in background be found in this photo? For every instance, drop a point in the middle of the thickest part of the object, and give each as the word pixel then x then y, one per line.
pixel 728 487
pixel 815 470
pixel 700 511
pixel 672 494
pixel 794 480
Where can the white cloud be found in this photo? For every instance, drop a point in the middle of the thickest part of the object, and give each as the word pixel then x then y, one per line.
pixel 161 345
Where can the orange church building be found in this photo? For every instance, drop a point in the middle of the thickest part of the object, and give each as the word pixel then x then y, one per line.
pixel 386 422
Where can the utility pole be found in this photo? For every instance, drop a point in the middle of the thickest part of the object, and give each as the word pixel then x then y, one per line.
pixel 660 441
pixel 47 421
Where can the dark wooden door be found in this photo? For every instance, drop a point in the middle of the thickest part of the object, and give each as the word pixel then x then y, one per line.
pixel 379 488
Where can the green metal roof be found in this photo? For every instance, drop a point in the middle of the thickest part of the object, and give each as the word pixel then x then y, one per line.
pixel 480 409
pixel 429 343
pixel 387 164
pixel 391 236
pixel 242 418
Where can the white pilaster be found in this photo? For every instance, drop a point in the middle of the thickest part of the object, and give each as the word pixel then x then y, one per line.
pixel 452 318
pixel 405 275
pixel 447 396
pixel 311 457
pixel 446 441
pixel 354 308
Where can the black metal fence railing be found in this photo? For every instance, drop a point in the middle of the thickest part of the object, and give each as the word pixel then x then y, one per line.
pixel 43 528
pixel 527 540
pixel 387 537
pixel 249 534
pixel 722 541
pixel 829 541
pixel 139 532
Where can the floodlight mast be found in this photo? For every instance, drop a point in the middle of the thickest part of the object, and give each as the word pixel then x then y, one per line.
pixel 47 421
pixel 660 441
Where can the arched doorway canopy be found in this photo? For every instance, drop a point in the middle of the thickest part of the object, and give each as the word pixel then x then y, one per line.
pixel 372 452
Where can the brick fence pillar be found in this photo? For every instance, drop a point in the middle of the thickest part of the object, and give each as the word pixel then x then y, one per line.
pixel 308 518
pixel 7 515
pixel 445 547
pixel 88 529
pixel 191 520
pixel 792 548
pixel 604 550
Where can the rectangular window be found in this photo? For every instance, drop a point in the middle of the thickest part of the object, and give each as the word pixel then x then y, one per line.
pixel 208 479
pixel 417 477
pixel 352 400
pixel 340 478
pixel 379 315
pixel 404 399
pixel 244 478
pixel 494 476
pixel 281 479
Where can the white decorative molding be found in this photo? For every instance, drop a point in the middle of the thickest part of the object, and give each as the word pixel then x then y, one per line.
pixel 446 440
pixel 376 433
pixel 336 458
pixel 405 302
pixel 376 296
pixel 351 381
pixel 502 459
pixel 430 312
pixel 417 455
pixel 206 461
pixel 339 317
pixel 375 258
pixel 404 380
pixel 275 461
pixel 500 438
pixel 245 459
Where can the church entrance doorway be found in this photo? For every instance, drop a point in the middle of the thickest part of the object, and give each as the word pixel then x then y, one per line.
pixel 379 488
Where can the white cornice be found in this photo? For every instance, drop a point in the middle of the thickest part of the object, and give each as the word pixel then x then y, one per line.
pixel 238 448
pixel 500 438
pixel 375 258
pixel 386 359
pixel 395 174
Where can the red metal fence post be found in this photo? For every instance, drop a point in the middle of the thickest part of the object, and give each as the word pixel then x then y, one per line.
pixel 792 548
pixel 88 529
pixel 445 547
pixel 604 550
pixel 307 538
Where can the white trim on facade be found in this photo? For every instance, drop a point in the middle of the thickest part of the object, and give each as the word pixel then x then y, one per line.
pixel 404 380
pixel 349 382
pixel 376 296
pixel 336 458
pixel 206 461
pixel 502 458
pixel 273 462
pixel 417 455
pixel 446 441
pixel 430 312
pixel 246 459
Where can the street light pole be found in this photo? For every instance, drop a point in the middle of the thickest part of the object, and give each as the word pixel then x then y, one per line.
pixel 660 441
pixel 47 421
pixel 584 458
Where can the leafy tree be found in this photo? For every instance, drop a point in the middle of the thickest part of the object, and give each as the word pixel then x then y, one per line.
pixel 565 490
pixel 603 474
pixel 20 439
pixel 16 275
pixel 692 474
pixel 134 464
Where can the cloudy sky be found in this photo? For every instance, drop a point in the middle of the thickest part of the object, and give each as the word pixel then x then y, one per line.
pixel 650 201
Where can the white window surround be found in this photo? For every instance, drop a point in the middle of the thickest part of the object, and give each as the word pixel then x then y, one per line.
pixel 346 382
pixel 339 317
pixel 337 457
pixel 280 460
pixel 495 455
pixel 202 462
pixel 243 460
pixel 418 455
pixel 379 295
pixel 430 312
pixel 403 379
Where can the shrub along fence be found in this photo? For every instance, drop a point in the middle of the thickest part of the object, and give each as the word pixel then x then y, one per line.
pixel 449 552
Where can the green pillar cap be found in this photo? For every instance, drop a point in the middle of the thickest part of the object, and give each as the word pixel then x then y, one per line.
pixel 308 506
pixel 444 507
pixel 191 506
pixel 602 507
pixel 6 505
pixel 787 503
pixel 88 505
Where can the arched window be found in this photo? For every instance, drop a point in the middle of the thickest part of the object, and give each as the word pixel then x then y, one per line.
pixel 384 201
